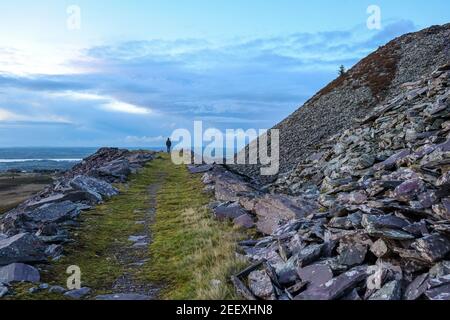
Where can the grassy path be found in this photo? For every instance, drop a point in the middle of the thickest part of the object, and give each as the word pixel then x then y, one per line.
pixel 192 254
pixel 189 256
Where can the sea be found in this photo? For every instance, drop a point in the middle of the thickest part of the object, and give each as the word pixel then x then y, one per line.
pixel 45 159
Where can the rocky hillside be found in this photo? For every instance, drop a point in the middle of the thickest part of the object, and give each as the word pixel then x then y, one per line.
pixel 373 81
pixel 367 216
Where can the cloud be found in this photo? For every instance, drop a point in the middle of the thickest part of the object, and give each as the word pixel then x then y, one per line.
pixel 106 103
pixel 144 140
pixel 235 83
pixel 8 117
pixel 117 106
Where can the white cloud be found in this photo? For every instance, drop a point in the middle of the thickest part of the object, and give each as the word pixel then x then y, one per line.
pixel 118 106
pixel 6 115
pixel 35 59
pixel 144 139
pixel 109 103
pixel 74 95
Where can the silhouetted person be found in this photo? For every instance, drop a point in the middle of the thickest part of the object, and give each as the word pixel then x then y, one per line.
pixel 168 145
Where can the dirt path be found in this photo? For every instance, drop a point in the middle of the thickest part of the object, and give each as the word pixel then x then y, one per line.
pixel 135 256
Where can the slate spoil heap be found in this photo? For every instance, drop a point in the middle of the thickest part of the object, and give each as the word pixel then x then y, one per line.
pixel 36 231
pixel 367 216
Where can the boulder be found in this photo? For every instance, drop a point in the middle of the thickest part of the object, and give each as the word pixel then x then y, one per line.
pixel 230 189
pixel 261 285
pixel 272 210
pixel 18 272
pixel 23 247
pixel 99 189
pixel 114 171
pixel 55 212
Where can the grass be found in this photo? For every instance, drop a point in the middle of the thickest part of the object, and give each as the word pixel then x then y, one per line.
pixel 192 255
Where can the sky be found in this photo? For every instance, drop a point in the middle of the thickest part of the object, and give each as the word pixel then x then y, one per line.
pixel 127 73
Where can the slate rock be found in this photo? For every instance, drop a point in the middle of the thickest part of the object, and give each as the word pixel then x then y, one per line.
pixel 379 248
pixel 78 293
pixel 261 285
pixel 23 247
pixel 443 209
pixel 100 189
pixel 391 161
pixel 408 190
pixel 287 277
pixel 200 169
pixel 116 170
pixel 352 254
pixel 432 248
pixel 417 288
pixel 315 275
pixel 272 210
pixel 439 289
pixel 440 269
pixel 57 289
pixel 387 226
pixel 391 291
pixel 230 188
pixel 308 255
pixel 337 287
pixel 18 272
pixel 55 212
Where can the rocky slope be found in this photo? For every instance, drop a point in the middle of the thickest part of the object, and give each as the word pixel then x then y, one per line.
pixel 366 215
pixel 373 81
pixel 36 231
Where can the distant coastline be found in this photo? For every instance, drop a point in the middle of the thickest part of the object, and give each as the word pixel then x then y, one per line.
pixel 32 159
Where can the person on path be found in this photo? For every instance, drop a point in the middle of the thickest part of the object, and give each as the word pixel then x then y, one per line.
pixel 168 145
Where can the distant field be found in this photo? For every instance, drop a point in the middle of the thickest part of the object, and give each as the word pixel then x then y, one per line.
pixel 14 189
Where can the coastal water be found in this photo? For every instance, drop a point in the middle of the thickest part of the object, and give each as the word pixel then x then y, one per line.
pixel 38 159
